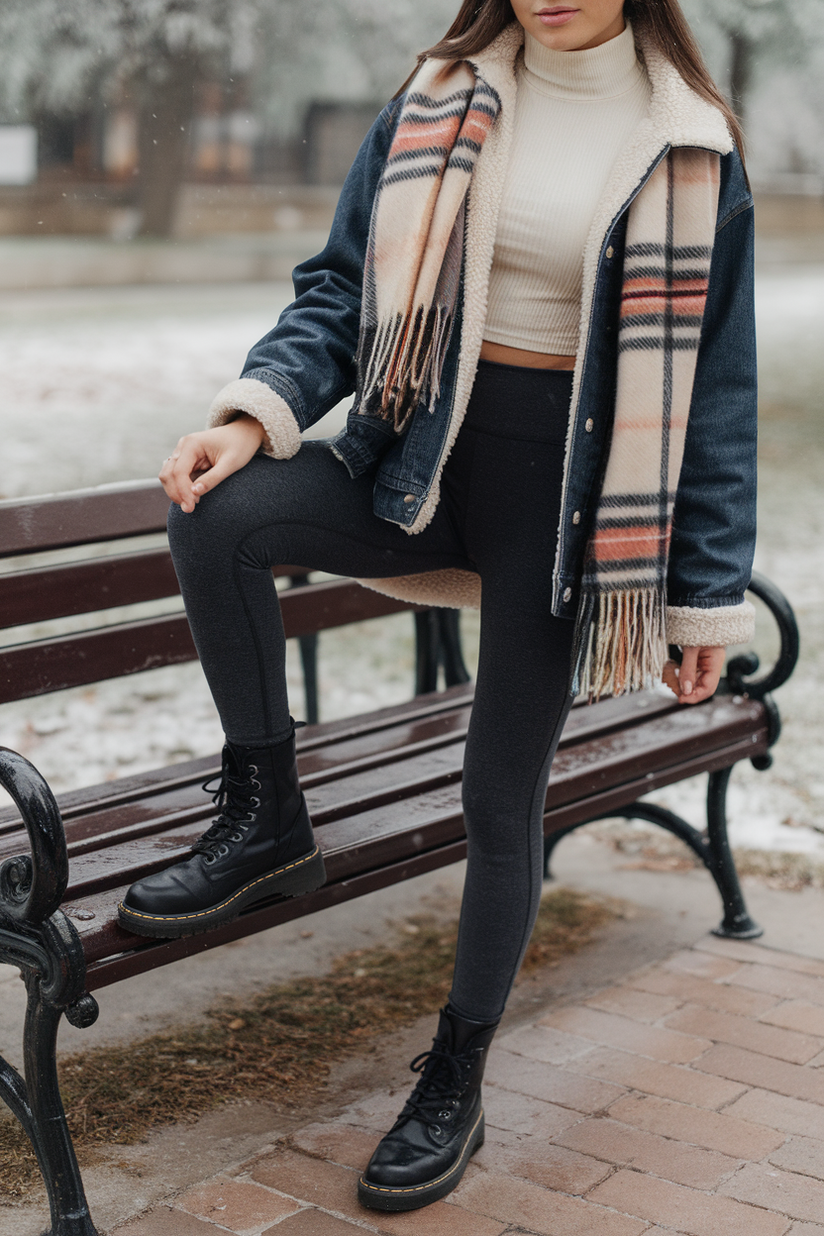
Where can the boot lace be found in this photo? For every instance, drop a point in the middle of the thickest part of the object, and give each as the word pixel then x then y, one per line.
pixel 235 800
pixel 435 1098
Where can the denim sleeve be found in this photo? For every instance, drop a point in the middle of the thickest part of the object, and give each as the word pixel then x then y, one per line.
pixel 308 358
pixel 713 537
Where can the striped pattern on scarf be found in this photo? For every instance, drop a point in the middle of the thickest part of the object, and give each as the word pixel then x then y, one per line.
pixel 415 249
pixel 670 233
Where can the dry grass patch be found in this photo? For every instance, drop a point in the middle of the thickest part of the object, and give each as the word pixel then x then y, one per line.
pixel 781 870
pixel 654 849
pixel 280 1045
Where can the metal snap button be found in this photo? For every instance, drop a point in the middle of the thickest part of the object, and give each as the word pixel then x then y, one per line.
pixel 567 594
pixel 590 425
pixel 409 498
pixel 610 252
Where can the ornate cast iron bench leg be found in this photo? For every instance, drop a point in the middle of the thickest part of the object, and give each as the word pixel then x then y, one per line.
pixel 713 850
pixel 713 847
pixel 38 938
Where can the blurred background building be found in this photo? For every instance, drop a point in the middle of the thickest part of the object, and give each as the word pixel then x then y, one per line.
pixel 189 117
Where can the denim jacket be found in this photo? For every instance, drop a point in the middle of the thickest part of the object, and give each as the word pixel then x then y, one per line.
pixel 306 365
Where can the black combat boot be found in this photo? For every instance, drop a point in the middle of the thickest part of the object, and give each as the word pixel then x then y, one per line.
pixel 261 845
pixel 424 1154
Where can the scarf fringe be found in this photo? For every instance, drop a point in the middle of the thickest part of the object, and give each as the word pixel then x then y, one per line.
pixel 625 645
pixel 405 364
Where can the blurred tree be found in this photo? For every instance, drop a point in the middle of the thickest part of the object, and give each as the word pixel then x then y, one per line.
pixel 56 55
pixel 755 29
pixel 357 50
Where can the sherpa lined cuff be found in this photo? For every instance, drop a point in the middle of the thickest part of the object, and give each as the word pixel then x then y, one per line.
pixel 720 626
pixel 265 405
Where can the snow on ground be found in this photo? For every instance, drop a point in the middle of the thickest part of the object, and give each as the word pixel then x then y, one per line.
pixel 97 385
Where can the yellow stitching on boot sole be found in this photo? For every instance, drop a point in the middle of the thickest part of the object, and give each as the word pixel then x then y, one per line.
pixel 430 1184
pixel 180 918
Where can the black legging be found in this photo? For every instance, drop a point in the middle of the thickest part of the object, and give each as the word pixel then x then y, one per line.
pixel 498 515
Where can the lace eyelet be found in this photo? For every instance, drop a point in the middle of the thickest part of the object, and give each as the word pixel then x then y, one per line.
pixel 255 802
pixel 236 836
pixel 436 1128
pixel 209 859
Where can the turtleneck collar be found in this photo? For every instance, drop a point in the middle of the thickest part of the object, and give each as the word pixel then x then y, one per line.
pixel 597 73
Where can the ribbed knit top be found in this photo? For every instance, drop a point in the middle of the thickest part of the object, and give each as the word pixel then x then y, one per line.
pixel 575 111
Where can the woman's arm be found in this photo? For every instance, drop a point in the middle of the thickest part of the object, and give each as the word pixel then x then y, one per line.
pixel 713 535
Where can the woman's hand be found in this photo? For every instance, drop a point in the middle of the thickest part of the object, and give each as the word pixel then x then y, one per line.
pixel 202 460
pixel 697 677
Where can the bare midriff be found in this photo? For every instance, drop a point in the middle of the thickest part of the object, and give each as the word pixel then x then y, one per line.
pixel 503 355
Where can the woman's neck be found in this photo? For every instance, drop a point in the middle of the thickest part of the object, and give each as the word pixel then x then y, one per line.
pixel 597 73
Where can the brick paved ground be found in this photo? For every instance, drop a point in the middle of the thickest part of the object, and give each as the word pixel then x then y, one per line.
pixel 689 1099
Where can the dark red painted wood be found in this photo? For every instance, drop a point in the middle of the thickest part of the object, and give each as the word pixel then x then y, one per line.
pixel 124 954
pixel 84 587
pixel 109 652
pixel 129 648
pixel 324 748
pixel 413 719
pixel 368 815
pixel 106 944
pixel 55 521
pixel 96 584
pixel 384 789
pixel 168 798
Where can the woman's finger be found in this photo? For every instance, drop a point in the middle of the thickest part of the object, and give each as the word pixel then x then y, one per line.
pixel 702 673
pixel 689 671
pixel 187 458
pixel 224 465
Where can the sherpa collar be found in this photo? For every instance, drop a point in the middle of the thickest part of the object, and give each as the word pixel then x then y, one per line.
pixel 677 115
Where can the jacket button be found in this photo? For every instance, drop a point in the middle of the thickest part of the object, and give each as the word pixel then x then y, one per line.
pixel 576 518
pixel 409 498
pixel 590 425
pixel 610 252
pixel 567 594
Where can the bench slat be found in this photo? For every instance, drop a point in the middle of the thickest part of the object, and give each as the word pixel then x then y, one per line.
pixel 348 811
pixel 105 513
pixel 105 943
pixel 96 584
pixel 84 587
pixel 109 652
pixel 103 814
pixel 114 964
pixel 129 648
pixel 327 746
pixel 153 803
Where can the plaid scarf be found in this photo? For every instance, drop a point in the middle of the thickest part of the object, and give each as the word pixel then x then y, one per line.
pixel 410 292
pixel 670 233
pixel 415 249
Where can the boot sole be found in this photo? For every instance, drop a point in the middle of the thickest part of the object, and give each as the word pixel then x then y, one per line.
pixel 411 1197
pixel 303 875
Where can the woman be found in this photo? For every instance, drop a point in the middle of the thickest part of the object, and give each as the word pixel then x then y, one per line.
pixel 539 284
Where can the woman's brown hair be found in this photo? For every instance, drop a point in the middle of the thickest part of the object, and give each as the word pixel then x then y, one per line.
pixel 662 21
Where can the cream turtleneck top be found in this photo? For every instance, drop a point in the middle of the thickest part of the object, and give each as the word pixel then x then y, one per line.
pixel 574 112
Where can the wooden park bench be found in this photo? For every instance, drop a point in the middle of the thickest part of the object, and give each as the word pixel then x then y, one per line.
pixel 384 788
